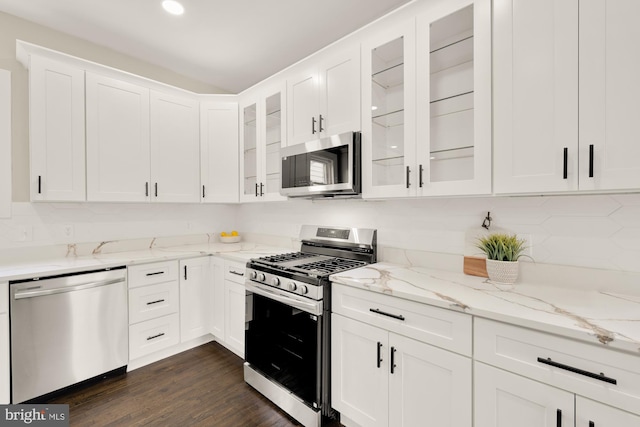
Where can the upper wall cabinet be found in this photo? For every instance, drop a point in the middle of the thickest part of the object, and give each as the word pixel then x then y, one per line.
pixel 5 152
pixel 426 104
pixel 565 112
pixel 118 162
pixel 219 151
pixel 324 99
pixel 141 145
pixel 175 148
pixel 262 134
pixel 57 131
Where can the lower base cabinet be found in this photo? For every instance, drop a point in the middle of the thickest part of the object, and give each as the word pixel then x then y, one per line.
pixel 195 297
pixel 593 414
pixel 380 378
pixel 229 304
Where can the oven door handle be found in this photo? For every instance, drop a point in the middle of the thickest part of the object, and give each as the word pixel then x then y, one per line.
pixel 309 307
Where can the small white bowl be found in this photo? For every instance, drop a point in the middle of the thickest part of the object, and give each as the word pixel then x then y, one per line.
pixel 229 239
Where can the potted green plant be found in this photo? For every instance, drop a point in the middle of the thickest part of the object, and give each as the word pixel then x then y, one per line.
pixel 502 251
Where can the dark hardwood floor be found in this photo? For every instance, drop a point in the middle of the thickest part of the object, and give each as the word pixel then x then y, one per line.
pixel 200 387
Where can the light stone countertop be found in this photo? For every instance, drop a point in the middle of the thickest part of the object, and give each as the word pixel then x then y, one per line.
pixel 239 252
pixel 599 317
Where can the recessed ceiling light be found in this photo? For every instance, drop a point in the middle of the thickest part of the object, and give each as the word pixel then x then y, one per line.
pixel 173 7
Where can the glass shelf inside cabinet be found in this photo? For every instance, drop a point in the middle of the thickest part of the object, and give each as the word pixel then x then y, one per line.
pixel 387 113
pixel 452 97
pixel 273 142
pixel 249 144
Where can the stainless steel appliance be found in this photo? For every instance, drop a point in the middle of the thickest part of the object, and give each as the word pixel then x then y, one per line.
pixel 326 167
pixel 66 329
pixel 287 341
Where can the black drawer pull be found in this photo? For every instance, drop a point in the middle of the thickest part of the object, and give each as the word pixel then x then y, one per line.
pixel 565 163
pixel 395 316
pixel 39 184
pixel 559 418
pixel 393 359
pixel 379 357
pixel 592 424
pixel 591 161
pixel 408 177
pixel 599 377
pixel 236 273
pixel 203 192
pixel 420 181
pixel 161 334
pixel 155 274
pixel 155 302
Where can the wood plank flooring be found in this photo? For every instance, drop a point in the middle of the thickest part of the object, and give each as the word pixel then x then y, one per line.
pixel 199 387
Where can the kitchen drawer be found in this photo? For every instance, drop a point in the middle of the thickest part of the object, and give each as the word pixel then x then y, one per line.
pixel 4 297
pixel 149 274
pixel 525 351
pixel 149 302
pixel 234 271
pixel 153 335
pixel 437 326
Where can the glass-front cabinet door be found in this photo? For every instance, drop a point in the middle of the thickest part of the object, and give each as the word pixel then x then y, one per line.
pixel 388 99
pixel 262 136
pixel 454 99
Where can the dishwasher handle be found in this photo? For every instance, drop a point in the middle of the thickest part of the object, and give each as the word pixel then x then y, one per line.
pixel 44 292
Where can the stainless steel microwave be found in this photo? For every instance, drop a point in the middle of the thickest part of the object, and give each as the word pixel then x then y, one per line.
pixel 325 167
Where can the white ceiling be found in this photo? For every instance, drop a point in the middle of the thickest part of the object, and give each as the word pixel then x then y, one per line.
pixel 231 44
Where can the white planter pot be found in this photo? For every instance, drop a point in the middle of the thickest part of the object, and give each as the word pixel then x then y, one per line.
pixel 505 272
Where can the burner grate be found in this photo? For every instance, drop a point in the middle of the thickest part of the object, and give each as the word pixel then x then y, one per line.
pixel 291 256
pixel 331 266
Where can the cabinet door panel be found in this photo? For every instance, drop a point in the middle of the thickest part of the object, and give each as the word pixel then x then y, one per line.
pixel 57 131
pixel 175 148
pixel 195 298
pixel 359 387
pixel 428 386
pixel 535 72
pixel 303 104
pixel 340 101
pixel 4 358
pixel 5 144
pixel 503 399
pixel 609 93
pixel 118 163
pixel 235 317
pixel 218 303
pixel 588 411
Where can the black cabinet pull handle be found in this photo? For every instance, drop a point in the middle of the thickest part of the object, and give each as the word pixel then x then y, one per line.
pixel 313 125
pixel 155 302
pixel 559 418
pixel 408 174
pixel 155 336
pixel 185 272
pixel 146 189
pixel 378 311
pixel 155 274
pixel 237 273
pixel 39 184
pixel 320 128
pixel 565 163
pixel 591 161
pixel 600 377
pixel 379 357
pixel 393 359
pixel 156 189
pixel 256 189
pixel 420 173
pixel 592 424
pixel 261 189
pixel 203 193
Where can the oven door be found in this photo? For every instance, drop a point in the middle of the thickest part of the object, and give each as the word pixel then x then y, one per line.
pixel 283 341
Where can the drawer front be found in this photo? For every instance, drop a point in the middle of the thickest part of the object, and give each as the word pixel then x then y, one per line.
pixel 149 274
pixel 4 297
pixel 153 335
pixel 149 302
pixel 433 325
pixel 586 369
pixel 234 271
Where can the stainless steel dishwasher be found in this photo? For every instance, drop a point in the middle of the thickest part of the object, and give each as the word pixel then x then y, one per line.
pixel 66 329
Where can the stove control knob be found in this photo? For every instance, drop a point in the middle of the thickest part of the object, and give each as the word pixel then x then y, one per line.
pixel 261 277
pixel 253 275
pixel 304 290
pixel 293 286
pixel 275 281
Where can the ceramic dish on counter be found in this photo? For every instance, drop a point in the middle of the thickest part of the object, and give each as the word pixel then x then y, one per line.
pixel 229 239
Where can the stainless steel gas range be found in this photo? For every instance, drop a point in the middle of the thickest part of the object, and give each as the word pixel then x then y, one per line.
pixel 287 340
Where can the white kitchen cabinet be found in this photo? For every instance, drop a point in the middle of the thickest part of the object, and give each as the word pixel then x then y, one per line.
pixel 324 98
pixel 380 378
pixel 609 93
pixel 217 298
pixel 5 367
pixel 503 399
pixel 175 148
pixel 56 131
pixel 219 151
pixel 453 104
pixel 262 135
pixel 5 144
pixel 235 307
pixel 117 119
pixel 594 414
pixel 195 298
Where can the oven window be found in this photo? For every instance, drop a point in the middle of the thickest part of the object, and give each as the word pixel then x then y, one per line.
pixel 283 343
